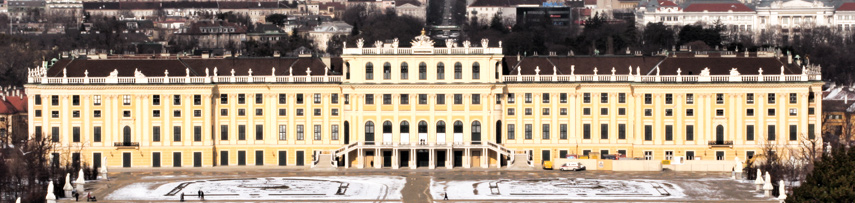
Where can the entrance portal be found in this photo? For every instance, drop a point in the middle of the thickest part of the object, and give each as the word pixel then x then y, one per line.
pixel 458 159
pixel 423 158
pixel 440 158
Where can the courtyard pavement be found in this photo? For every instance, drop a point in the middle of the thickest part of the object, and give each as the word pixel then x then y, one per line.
pixel 425 185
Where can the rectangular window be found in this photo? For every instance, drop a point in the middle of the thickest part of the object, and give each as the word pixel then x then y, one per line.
pixel 317 132
pixel 749 98
pixel 283 132
pixel 54 100
pixel 604 131
pixel 511 132
pixel 793 111
pixel 586 98
pixel 300 132
pixel 176 113
pixel 545 97
pixel 54 114
pixel 54 133
pixel 811 130
pixel 317 99
pixel 241 98
pixel 563 132
pixel 648 132
pixel 300 98
pixel 621 111
pixel 498 98
pixel 719 112
pixel 369 98
pixel 259 98
pixel 648 112
pixel 528 131
pixel 197 99
pixel 669 133
pixel 75 100
pixel 586 111
pixel 690 155
pixel 458 98
pixel 405 99
pixel 334 112
pixel 75 114
pixel 811 111
pixel 176 133
pixel 476 99
pixel 259 132
pixel 749 132
pixel 545 111
pixel 511 111
pixel 604 111
pixel 299 112
pixel 690 98
pixel 771 98
pixel 75 134
pixel 545 130
pixel 669 112
pixel 224 132
pixel 669 99
pixel 586 131
pixel 621 131
pixel 423 99
pixel 669 155
pixel 604 98
pixel 283 98
pixel 648 99
pixel 197 133
pixel 96 134
pixel 176 99
pixel 528 98
pixel 690 132
pixel 346 98
pixel 562 111
pixel 224 112
pixel 749 112
pixel 793 98
pixel 528 111
pixel 334 132
pixel 794 132
pixel 562 98
pixel 719 98
pixel 198 113
pixel 690 112
pixel 770 132
pixel 440 98
pixel 241 132
pixel 621 98
pixel 224 98
pixel 511 99
pixel 126 99
pixel 38 99
pixel 317 112
pixel 155 133
pixel 648 155
pixel 39 113
pixel 770 112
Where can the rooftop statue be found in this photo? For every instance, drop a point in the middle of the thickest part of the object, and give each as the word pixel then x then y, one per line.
pixel 422 41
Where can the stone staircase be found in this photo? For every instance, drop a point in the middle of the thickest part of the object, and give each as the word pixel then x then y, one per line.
pixel 519 161
pixel 324 161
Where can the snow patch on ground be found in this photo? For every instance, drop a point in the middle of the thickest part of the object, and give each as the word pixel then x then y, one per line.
pixel 268 188
pixel 557 189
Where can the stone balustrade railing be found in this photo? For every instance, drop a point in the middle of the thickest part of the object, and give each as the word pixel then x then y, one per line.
pixel 660 78
pixel 183 80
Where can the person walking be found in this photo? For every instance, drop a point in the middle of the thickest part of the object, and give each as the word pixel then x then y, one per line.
pixel 199 194
pixel 446 196
pixel 182 196
pixel 203 194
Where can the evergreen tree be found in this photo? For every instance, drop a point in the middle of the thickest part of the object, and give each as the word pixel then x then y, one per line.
pixel 831 180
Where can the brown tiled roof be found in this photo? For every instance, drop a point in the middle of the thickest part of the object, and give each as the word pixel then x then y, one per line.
pixel 835 105
pixel 668 66
pixel 717 7
pixel 13 104
pixel 197 66
pixel 847 7
pixel 503 3
pixel 582 64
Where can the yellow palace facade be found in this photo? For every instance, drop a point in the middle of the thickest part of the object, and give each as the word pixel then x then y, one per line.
pixel 464 105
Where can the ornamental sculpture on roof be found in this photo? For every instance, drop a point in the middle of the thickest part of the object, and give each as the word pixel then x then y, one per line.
pixel 422 41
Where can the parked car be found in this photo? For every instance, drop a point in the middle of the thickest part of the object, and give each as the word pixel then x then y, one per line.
pixel 572 166
pixel 547 165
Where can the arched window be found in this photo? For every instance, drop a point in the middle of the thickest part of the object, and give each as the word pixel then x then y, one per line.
pixel 440 71
pixel 126 132
pixel 440 127
pixel 476 71
pixel 476 132
pixel 458 127
pixel 405 71
pixel 423 127
pixel 347 75
pixel 458 70
pixel 387 127
pixel 387 71
pixel 719 134
pixel 405 127
pixel 369 132
pixel 422 71
pixel 369 71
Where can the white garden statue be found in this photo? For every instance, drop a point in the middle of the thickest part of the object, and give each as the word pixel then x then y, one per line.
pixel 78 184
pixel 67 187
pixel 758 182
pixel 782 190
pixel 767 185
pixel 50 197
pixel 103 170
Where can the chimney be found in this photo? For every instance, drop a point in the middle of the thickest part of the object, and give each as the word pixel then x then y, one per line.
pixel 790 59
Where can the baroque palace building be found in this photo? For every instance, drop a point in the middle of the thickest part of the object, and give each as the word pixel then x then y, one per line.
pixel 463 105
